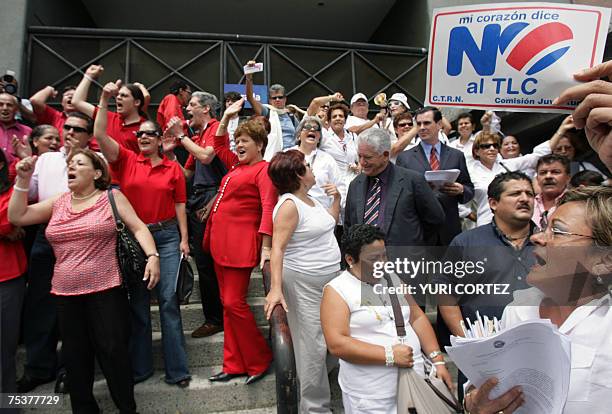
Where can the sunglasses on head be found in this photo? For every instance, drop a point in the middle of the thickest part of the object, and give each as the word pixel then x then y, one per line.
pixel 277 98
pixel 310 127
pixel 140 134
pixel 489 145
pixel 74 128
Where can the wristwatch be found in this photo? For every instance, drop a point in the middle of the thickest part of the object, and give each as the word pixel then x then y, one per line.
pixel 434 354
pixel 156 254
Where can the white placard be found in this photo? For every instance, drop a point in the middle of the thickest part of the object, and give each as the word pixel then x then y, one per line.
pixel 512 56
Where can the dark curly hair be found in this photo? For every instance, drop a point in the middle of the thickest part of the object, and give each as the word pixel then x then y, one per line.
pixel 286 169
pixel 358 236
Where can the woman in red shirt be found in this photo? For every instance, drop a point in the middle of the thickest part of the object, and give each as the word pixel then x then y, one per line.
pixel 239 236
pixel 12 284
pixel 156 188
pixel 86 280
pixel 132 100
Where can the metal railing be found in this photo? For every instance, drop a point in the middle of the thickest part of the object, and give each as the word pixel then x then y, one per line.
pixel 58 56
pixel 284 358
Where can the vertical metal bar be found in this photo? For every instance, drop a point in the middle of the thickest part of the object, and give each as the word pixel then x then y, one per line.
pixel 128 55
pixel 353 73
pixel 221 69
pixel 268 72
pixel 28 68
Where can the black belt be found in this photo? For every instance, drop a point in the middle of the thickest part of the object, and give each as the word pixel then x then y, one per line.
pixel 153 227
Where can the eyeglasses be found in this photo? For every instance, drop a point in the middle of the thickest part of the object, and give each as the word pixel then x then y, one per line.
pixel 404 124
pixel 489 145
pixel 140 134
pixel 74 128
pixel 553 232
pixel 310 127
pixel 277 98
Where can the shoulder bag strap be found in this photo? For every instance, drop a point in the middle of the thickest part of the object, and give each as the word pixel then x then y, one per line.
pixel 111 198
pixel 400 324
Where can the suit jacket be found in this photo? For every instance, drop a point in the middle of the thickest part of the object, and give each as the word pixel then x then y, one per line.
pixel 450 158
pixel 410 205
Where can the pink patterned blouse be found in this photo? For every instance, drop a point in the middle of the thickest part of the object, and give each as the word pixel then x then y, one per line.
pixel 84 244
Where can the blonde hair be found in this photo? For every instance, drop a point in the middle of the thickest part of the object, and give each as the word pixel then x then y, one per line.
pixel 598 206
pixel 484 137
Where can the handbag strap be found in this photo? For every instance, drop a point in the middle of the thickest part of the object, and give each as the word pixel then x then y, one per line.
pixel 400 324
pixel 118 222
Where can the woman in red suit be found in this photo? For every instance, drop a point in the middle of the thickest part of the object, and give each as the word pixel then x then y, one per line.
pixel 239 236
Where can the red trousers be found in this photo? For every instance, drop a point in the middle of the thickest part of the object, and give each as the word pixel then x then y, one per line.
pixel 244 348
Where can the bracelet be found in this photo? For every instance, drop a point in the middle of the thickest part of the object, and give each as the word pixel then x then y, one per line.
pixel 389 358
pixel 20 189
pixel 439 363
pixel 266 248
pixel 182 137
pixel 222 125
pixel 102 107
pixel 156 254
pixel 434 354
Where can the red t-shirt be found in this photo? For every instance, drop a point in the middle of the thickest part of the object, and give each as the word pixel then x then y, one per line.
pixel 56 118
pixel 168 108
pixel 124 134
pixel 152 191
pixel 205 139
pixel 13 261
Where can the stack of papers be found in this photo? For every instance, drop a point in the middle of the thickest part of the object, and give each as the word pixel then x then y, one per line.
pixel 440 177
pixel 532 354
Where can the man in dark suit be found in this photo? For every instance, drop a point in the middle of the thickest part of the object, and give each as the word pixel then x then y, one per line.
pixel 431 154
pixel 396 200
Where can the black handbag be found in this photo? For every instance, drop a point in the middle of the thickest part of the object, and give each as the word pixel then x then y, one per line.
pixel 184 281
pixel 131 257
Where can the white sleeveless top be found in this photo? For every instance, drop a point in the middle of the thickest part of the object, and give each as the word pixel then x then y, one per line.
pixel 313 248
pixel 372 321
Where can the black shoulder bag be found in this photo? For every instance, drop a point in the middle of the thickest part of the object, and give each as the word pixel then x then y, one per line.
pixel 131 257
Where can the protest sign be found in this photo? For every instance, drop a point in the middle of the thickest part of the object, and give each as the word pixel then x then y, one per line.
pixel 512 56
pixel 260 92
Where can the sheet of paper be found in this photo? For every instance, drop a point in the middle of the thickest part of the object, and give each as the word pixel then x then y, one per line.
pixel 532 354
pixel 441 177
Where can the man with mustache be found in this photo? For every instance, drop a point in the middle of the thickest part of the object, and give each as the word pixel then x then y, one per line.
pixel 503 249
pixel 553 178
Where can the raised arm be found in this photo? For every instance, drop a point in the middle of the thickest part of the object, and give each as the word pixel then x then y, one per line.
pixel 318 102
pixel 142 234
pixel 403 141
pixel 147 96
pixel 19 212
pixel 257 106
pixel 358 129
pixel 221 143
pixel 108 146
pixel 40 98
pixel 79 99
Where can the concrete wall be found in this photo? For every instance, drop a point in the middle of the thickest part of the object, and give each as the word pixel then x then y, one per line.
pixel 12 32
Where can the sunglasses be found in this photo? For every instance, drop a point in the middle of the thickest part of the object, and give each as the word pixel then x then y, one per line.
pixel 74 128
pixel 487 146
pixel 277 98
pixel 405 124
pixel 311 128
pixel 140 134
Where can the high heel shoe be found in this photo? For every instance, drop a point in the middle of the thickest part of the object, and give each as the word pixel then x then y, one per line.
pixel 224 377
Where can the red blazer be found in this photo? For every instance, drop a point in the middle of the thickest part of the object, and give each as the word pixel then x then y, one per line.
pixel 242 211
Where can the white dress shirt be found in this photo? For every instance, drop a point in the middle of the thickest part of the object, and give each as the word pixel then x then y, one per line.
pixel 589 328
pixel 482 176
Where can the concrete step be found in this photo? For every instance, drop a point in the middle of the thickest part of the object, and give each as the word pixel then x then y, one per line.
pixel 193 317
pixel 155 396
pixel 256 288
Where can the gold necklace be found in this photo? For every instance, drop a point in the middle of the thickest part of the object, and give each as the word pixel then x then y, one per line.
pixel 84 197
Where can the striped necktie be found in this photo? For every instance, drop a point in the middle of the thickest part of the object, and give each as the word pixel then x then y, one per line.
pixel 433 160
pixel 372 204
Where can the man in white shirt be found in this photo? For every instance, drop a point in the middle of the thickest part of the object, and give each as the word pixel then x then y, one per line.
pixel 40 332
pixel 358 121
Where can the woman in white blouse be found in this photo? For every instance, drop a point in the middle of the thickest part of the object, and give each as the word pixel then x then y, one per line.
pixel 341 144
pixel 578 301
pixel 305 256
pixel 359 328
pixel 488 163
pixel 326 172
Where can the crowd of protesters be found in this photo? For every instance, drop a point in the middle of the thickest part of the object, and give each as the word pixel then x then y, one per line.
pixel 290 186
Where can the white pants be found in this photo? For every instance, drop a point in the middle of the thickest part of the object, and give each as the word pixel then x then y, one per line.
pixel 356 405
